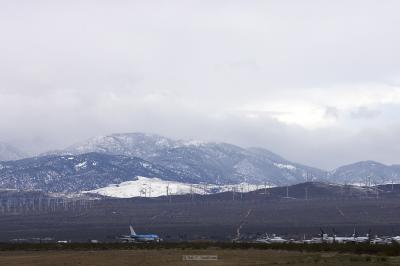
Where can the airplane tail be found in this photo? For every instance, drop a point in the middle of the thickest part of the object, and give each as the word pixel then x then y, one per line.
pixel 132 231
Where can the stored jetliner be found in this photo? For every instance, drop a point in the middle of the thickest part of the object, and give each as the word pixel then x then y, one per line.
pixel 272 240
pixel 344 239
pixel 135 238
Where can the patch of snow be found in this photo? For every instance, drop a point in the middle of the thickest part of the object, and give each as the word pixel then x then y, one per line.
pixel 196 143
pixel 363 184
pixel 145 187
pixel 82 165
pixel 162 142
pixel 146 165
pixel 357 184
pixel 285 166
pixel 155 187
pixel 242 187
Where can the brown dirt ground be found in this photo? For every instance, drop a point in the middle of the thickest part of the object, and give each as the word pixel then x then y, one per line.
pixel 174 258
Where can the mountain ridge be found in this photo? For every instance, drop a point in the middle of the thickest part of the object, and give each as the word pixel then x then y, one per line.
pixel 251 164
pixel 366 172
pixel 213 162
pixel 187 161
pixel 75 173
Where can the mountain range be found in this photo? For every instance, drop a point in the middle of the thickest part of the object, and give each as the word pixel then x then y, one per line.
pixel 217 163
pixel 76 173
pixel 366 173
pixel 117 158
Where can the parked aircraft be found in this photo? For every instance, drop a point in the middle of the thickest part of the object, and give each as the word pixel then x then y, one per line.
pixel 135 238
pixel 271 240
pixel 361 239
pixel 345 239
pixel 381 240
pixel 333 238
pixel 325 238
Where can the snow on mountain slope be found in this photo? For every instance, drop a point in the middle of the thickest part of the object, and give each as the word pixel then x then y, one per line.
pixel 285 166
pixel 197 161
pixel 155 187
pixel 118 158
pixel 366 173
pixel 74 173
pixel 146 187
pixel 140 145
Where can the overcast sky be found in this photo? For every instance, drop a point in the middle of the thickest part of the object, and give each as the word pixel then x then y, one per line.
pixel 317 82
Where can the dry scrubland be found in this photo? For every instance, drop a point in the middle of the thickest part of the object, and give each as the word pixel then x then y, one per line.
pixel 213 217
pixel 174 258
pixel 209 219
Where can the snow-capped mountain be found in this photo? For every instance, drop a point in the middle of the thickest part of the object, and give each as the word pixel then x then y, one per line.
pixel 110 165
pixel 74 173
pixel 366 173
pixel 221 163
pixel 8 152
pixel 140 145
pixel 216 163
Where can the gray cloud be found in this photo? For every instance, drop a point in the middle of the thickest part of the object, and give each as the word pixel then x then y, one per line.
pixel 332 112
pixel 258 73
pixel 364 112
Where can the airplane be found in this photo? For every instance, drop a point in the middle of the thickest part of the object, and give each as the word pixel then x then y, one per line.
pixel 395 239
pixel 135 238
pixel 272 240
pixel 325 238
pixel 381 240
pixel 353 239
pixel 361 239
pixel 314 240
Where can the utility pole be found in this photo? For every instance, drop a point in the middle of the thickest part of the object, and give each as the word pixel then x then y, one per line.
pixel 265 189
pixel 342 190
pixel 145 190
pixel 306 190
pixel 287 191
pixel 168 194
